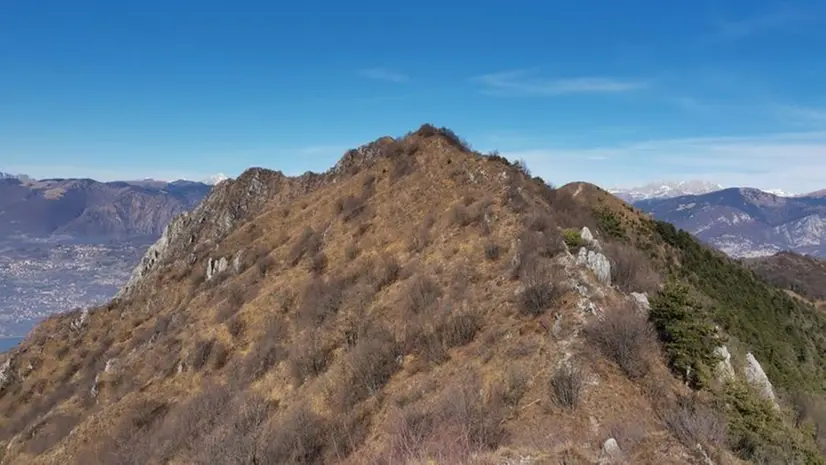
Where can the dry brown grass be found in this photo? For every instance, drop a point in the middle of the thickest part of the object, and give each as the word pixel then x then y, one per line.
pixel 317 358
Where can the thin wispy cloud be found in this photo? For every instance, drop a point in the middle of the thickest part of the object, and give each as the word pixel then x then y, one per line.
pixel 522 82
pixel 384 74
pixel 788 18
pixel 791 161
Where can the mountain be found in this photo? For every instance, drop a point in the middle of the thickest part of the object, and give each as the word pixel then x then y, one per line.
pixel 664 190
pixel 745 222
pixel 215 179
pixel 421 303
pixel 87 209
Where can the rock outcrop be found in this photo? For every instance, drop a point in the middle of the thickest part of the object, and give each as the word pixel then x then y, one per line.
pixel 757 377
pixel 597 263
pixel 724 371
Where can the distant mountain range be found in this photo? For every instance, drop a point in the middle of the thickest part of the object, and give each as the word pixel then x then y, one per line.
pixel 665 189
pixel 744 222
pixel 91 210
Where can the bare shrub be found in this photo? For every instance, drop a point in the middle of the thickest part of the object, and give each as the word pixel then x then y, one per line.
pixel 422 292
pixel 185 424
pixel 236 327
pixel 419 238
pixel 631 270
pixel 459 329
pixel 369 366
pixel 200 354
pixel 232 304
pixel 264 264
pixel 309 243
pixel 351 252
pixel 218 356
pixel 385 273
pixel 297 437
pixel 350 207
pixel 540 292
pixel 319 300
pixel 693 422
pixel 476 420
pixel 493 251
pixel 401 166
pixel 318 263
pixel 46 432
pixel 309 356
pixel 266 352
pixel 623 335
pixel 242 437
pixel 515 385
pixel 566 385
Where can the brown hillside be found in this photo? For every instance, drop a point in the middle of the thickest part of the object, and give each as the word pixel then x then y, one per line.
pixel 415 304
pixel 801 274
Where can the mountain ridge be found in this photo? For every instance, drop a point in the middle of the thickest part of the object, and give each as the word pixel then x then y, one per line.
pixel 86 208
pixel 416 303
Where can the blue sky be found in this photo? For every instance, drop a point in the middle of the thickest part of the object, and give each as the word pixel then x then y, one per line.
pixel 616 93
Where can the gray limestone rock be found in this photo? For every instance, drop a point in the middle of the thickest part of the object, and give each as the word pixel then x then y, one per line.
pixel 724 369
pixel 757 377
pixel 596 262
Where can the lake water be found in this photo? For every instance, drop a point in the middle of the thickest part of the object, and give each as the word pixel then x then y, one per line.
pixel 7 343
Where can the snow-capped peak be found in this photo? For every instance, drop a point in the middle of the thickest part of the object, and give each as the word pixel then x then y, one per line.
pixel 215 179
pixel 779 193
pixel 665 189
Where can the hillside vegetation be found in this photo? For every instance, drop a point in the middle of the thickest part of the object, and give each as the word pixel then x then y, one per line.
pixel 419 303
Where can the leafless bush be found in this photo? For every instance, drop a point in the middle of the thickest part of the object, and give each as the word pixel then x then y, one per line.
pixel 566 385
pixel 401 165
pixel 185 424
pixel 385 272
pixel 242 437
pixel 218 356
pixel 319 300
pixel 350 207
pixel 47 432
pixel 515 385
pixel 263 264
pixel 419 238
pixel 297 437
pixel 459 329
pixel 477 420
pixel 309 356
pixel 369 366
pixel 631 270
pixel 422 292
pixel 493 251
pixel 318 263
pixel 309 243
pixel 540 292
pixel 693 422
pixel 233 303
pixel 624 336
pixel 351 252
pixel 236 327
pixel 200 354
pixel 267 351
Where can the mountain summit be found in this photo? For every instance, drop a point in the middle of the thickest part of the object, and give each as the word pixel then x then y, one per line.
pixel 664 190
pixel 420 303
